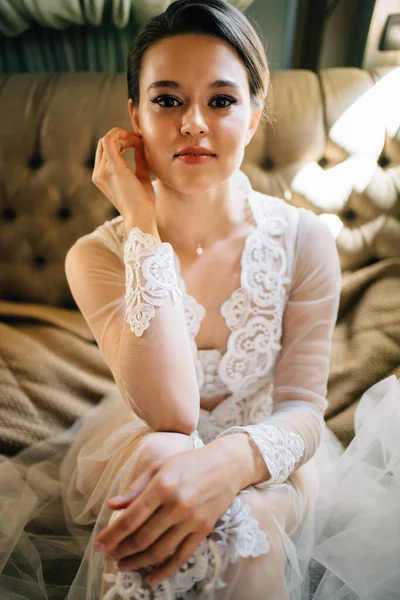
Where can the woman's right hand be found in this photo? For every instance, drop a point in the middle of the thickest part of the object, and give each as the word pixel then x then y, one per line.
pixel 131 193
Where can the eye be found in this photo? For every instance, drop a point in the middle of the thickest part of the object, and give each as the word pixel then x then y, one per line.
pixel 160 99
pixel 170 99
pixel 224 99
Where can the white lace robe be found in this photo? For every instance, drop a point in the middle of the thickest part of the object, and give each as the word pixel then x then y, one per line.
pixel 274 371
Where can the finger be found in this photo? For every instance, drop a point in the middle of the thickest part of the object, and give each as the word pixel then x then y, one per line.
pixel 142 167
pixel 104 154
pixel 133 491
pixel 164 547
pixel 104 157
pixel 124 140
pixel 152 532
pixel 131 139
pixel 132 518
pixel 117 142
pixel 99 154
pixel 120 133
pixel 137 487
pixel 183 554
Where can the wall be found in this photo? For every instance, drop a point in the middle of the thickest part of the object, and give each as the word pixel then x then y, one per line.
pixel 277 22
pixel 338 35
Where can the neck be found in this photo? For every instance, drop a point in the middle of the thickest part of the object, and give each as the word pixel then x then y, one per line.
pixel 188 220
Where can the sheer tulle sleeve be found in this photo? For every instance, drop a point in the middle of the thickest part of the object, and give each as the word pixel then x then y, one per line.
pixel 133 307
pixel 291 435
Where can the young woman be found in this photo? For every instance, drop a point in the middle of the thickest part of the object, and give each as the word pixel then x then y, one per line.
pixel 214 307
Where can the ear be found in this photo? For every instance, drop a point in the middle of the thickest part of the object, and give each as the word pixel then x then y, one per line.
pixel 134 116
pixel 254 121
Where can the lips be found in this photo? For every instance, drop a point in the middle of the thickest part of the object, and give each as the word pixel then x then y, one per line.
pixel 195 151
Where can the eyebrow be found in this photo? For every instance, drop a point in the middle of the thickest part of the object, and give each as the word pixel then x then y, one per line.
pixel 218 83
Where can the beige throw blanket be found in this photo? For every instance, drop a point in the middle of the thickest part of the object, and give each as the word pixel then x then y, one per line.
pixel 52 370
pixel 366 340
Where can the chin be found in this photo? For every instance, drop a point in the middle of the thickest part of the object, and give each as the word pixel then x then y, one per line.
pixel 198 184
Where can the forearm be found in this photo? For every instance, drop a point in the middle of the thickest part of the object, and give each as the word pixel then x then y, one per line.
pixel 284 441
pixel 156 372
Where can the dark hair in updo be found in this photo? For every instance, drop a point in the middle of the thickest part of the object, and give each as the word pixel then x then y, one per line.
pixel 213 17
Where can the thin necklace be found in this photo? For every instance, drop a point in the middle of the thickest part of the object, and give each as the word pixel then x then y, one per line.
pixel 199 247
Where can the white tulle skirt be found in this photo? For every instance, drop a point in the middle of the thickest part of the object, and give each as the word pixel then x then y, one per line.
pixel 338 515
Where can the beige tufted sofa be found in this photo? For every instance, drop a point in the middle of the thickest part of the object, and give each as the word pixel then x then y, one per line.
pixel 332 145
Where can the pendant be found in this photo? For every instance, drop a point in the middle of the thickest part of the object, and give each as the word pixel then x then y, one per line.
pixel 199 250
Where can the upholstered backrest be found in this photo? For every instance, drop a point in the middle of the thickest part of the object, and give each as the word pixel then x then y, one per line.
pixel 333 145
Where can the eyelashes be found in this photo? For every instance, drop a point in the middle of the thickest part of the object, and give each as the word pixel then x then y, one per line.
pixel 170 98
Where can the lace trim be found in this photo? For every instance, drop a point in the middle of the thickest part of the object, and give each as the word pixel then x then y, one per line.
pixel 212 385
pixel 150 277
pixel 280 449
pixel 254 312
pixel 236 534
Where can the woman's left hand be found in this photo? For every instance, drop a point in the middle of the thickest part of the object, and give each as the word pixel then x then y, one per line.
pixel 169 510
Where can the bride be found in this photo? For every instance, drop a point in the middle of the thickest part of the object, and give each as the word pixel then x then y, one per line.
pixel 210 472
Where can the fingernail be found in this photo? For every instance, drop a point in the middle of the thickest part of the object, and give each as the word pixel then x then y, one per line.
pixel 119 498
pixel 99 547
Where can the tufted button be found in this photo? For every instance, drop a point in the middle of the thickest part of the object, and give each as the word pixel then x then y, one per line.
pixel 267 164
pixel 35 162
pixel 323 162
pixel 371 261
pixel 15 297
pixel 383 161
pixel 9 214
pixel 349 215
pixel 64 213
pixel 39 261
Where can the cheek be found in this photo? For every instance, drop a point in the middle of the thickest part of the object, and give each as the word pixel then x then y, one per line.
pixel 233 135
pixel 158 139
pixel 152 147
pixel 233 127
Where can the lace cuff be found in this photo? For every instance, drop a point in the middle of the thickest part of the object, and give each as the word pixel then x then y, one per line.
pixel 280 449
pixel 196 439
pixel 150 276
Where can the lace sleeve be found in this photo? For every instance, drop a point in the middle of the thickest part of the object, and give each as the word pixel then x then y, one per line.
pixel 291 435
pixel 134 309
pixel 150 277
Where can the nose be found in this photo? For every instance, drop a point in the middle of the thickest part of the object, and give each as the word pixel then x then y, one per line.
pixel 193 123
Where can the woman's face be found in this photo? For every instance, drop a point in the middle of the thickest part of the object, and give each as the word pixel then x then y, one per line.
pixel 192 111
